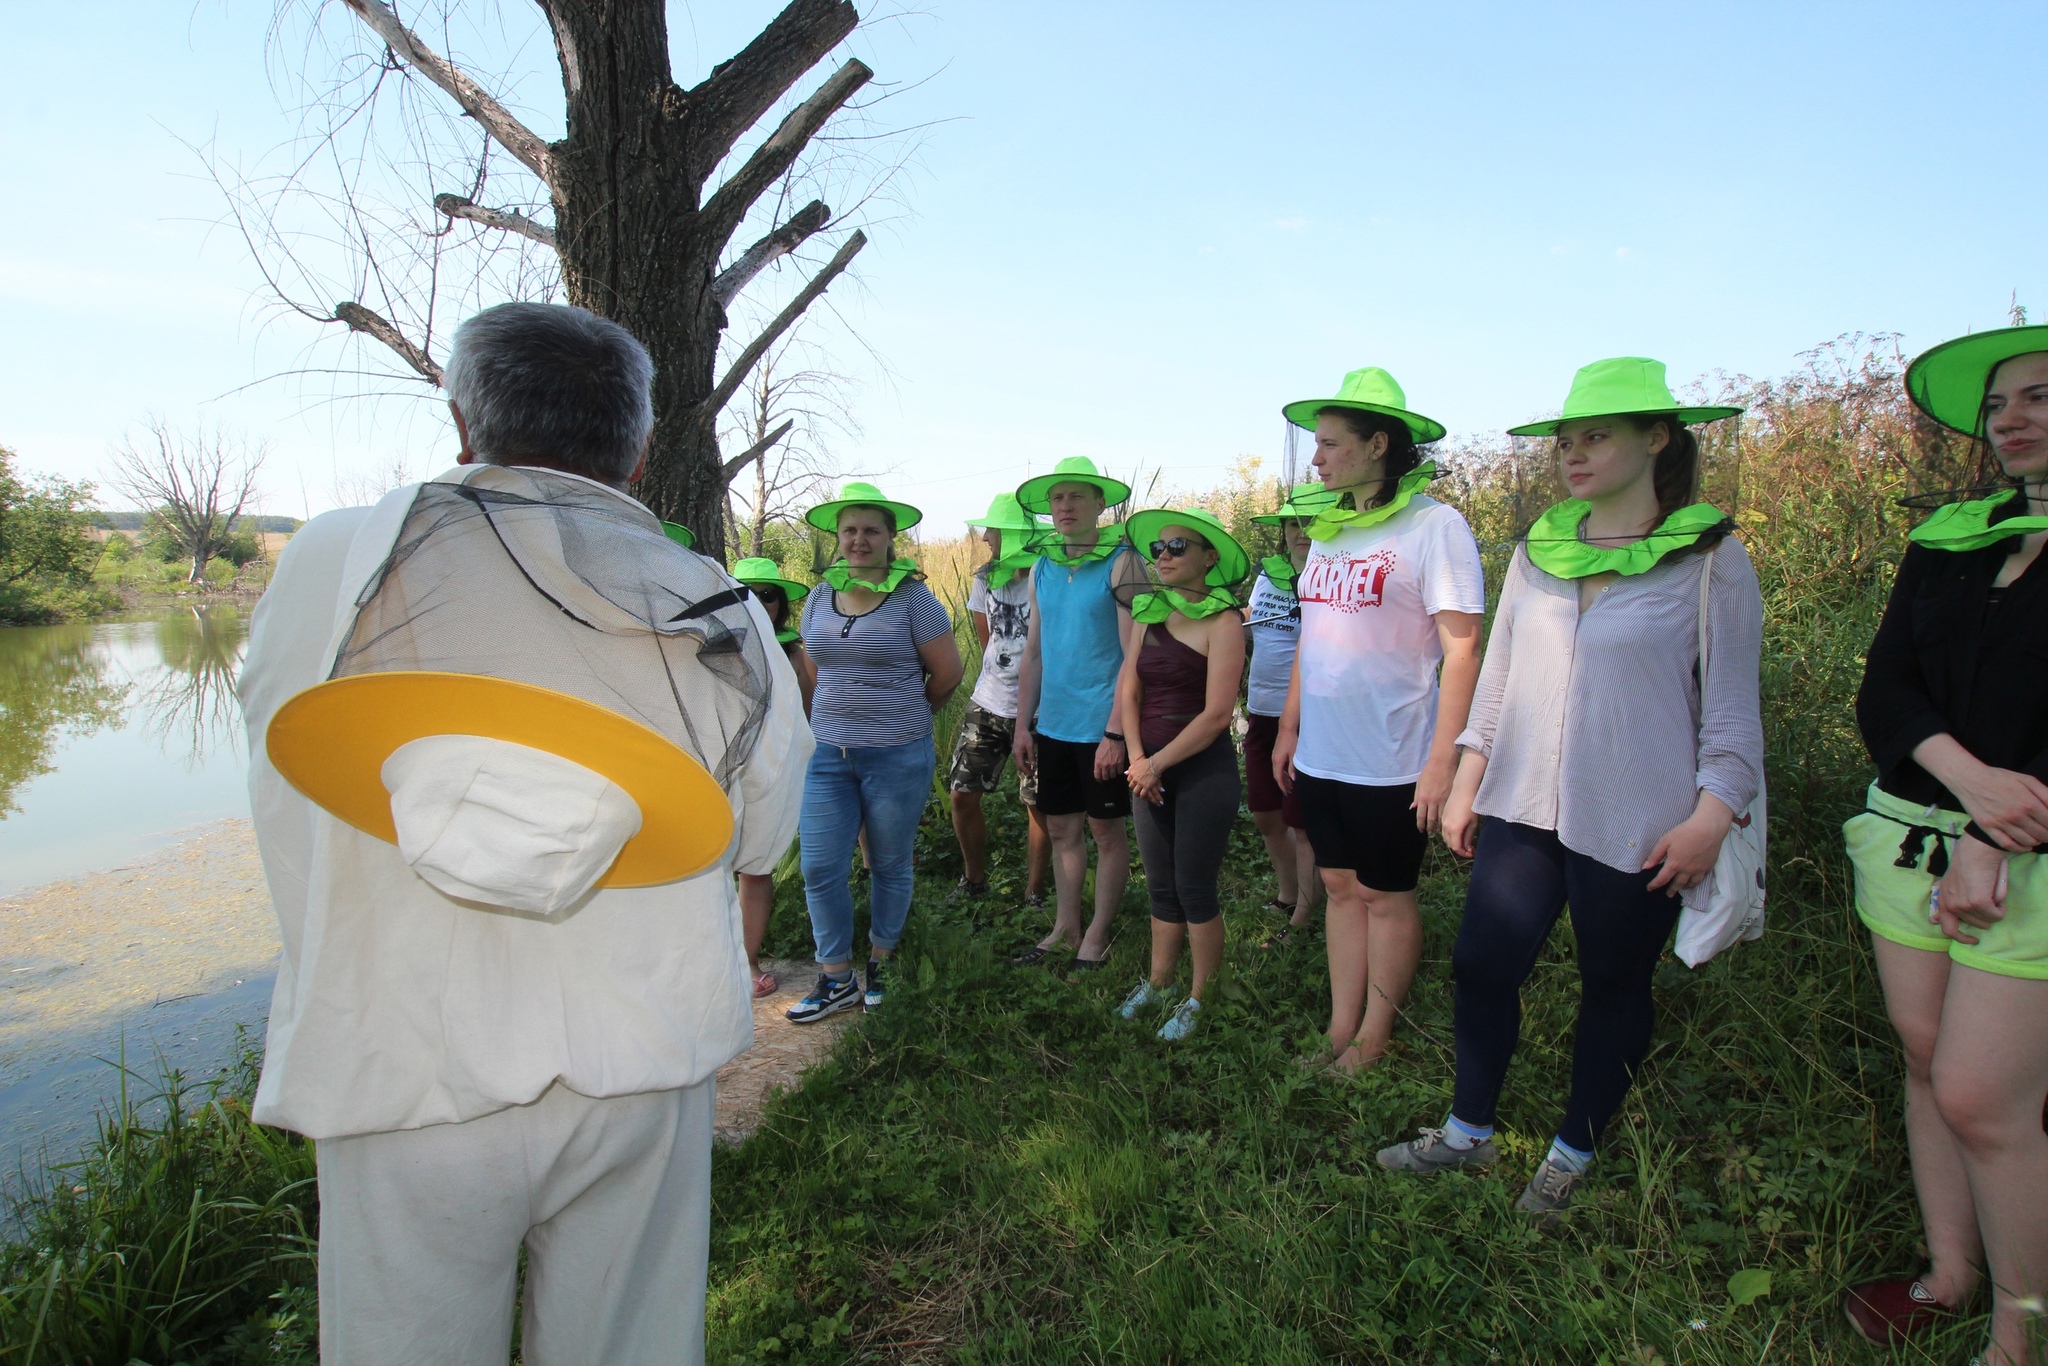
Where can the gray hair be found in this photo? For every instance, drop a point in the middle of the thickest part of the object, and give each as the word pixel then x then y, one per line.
pixel 556 383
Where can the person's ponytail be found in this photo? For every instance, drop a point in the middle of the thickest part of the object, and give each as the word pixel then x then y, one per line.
pixel 1676 474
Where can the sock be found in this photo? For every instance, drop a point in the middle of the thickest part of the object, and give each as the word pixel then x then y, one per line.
pixel 840 979
pixel 1565 1157
pixel 1459 1135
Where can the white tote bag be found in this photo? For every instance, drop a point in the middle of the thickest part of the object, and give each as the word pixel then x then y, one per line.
pixel 1735 907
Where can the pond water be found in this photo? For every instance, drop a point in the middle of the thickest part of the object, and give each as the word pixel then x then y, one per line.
pixel 114 737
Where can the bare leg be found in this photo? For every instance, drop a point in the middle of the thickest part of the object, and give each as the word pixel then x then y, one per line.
pixel 1207 938
pixel 1280 849
pixel 1304 876
pixel 1348 949
pixel 1990 1072
pixel 1040 843
pixel 1167 936
pixel 1915 981
pixel 1112 871
pixel 970 827
pixel 1375 941
pixel 1069 838
pixel 757 903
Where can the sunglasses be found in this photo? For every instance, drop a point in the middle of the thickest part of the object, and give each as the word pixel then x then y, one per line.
pixel 1177 547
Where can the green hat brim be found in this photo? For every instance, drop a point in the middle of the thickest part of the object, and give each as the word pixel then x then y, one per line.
pixel 1947 382
pixel 1684 416
pixel 825 516
pixel 680 534
pixel 1232 564
pixel 1025 523
pixel 1035 495
pixel 794 591
pixel 1423 429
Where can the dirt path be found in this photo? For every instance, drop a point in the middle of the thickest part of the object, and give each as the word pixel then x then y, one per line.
pixel 169 954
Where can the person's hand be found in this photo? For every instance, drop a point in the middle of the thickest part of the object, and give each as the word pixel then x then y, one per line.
pixel 1688 850
pixel 2010 807
pixel 1109 759
pixel 1024 752
pixel 1972 892
pixel 1432 790
pixel 1284 745
pixel 1461 824
pixel 1144 780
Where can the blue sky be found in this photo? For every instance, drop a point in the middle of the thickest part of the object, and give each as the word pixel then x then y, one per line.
pixel 1140 228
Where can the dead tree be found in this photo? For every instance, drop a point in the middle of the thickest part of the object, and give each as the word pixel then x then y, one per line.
pixel 793 408
pixel 199 485
pixel 641 231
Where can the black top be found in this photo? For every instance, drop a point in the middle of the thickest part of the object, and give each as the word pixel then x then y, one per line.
pixel 1953 654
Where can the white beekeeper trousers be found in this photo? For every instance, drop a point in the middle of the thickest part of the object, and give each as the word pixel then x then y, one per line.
pixel 420 1232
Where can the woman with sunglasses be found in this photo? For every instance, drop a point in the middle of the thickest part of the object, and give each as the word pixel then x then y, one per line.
pixel 777 595
pixel 1392 590
pixel 1597 772
pixel 1947 854
pixel 1182 660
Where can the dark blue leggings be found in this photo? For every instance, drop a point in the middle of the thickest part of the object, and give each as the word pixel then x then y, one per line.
pixel 1521 880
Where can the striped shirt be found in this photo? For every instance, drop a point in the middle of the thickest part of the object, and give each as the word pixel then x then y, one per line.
pixel 870 680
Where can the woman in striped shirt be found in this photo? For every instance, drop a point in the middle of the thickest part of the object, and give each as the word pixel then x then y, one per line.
pixel 886 661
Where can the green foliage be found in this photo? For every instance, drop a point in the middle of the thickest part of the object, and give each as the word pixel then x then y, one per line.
pixel 47 551
pixel 164 541
pixel 119 547
pixel 181 1239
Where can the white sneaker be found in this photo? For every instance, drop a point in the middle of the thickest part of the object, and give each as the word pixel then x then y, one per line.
pixel 1142 995
pixel 1182 1023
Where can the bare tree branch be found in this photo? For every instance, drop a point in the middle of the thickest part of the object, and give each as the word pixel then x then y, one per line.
pixel 455 206
pixel 740 90
pixel 196 484
pixel 768 250
pixel 707 411
pixel 753 452
pixel 724 210
pixel 514 136
pixel 360 319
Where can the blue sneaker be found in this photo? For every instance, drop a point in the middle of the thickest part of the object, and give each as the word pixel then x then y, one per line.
pixel 1142 995
pixel 827 998
pixel 1182 1022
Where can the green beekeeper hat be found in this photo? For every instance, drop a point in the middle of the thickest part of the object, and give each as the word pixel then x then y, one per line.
pixel 680 534
pixel 1622 387
pixel 1947 382
pixel 1005 513
pixel 761 572
pixel 860 493
pixel 1036 494
pixel 1303 502
pixel 1232 564
pixel 1370 390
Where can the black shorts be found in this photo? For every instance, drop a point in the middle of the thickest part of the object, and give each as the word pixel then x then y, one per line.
pixel 1067 785
pixel 1369 831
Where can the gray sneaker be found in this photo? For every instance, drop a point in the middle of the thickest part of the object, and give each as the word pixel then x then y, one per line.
pixel 1432 1152
pixel 1142 995
pixel 1182 1022
pixel 1549 1191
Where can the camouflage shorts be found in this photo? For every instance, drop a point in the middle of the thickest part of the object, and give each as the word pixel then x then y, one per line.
pixel 980 753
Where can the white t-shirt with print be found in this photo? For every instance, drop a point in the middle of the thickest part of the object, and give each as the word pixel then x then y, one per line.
pixel 1008 610
pixel 1368 649
pixel 1275 625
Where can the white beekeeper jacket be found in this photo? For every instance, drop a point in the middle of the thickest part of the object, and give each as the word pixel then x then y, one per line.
pixel 398 1006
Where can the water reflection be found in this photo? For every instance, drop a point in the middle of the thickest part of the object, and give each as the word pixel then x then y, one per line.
pixel 114 736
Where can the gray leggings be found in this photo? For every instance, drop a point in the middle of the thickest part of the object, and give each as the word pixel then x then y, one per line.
pixel 1183 840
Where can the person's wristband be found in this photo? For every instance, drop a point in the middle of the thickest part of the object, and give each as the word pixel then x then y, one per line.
pixel 1112 735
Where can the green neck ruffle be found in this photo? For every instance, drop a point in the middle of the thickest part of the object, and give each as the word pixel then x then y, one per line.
pixel 1152 608
pixel 1280 571
pixel 1555 548
pixel 1334 519
pixel 840 576
pixel 787 636
pixel 1968 526
pixel 1105 545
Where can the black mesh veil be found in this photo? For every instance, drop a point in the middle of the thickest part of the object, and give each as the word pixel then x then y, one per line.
pixel 544 578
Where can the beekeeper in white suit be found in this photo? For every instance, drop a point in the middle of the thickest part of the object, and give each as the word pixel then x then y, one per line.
pixel 522 740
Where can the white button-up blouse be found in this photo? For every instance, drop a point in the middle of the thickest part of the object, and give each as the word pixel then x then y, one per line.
pixel 1592 721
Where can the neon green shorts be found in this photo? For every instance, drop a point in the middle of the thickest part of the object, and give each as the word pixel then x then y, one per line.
pixel 1892 900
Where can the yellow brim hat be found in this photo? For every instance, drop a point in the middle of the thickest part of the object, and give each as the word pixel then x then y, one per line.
pixel 330 742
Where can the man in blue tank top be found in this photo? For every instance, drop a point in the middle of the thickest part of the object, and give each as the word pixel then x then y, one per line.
pixel 1068 730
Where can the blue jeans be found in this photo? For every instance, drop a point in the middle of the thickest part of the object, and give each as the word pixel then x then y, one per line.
pixel 885 787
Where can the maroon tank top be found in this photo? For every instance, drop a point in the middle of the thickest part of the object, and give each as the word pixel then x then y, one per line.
pixel 1176 679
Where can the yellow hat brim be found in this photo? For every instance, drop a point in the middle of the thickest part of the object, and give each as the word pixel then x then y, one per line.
pixel 330 742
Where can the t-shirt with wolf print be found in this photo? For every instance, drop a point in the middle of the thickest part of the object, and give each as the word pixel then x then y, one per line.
pixel 1009 621
pixel 1368 649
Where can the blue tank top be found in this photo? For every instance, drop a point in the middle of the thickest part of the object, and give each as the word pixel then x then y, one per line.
pixel 1079 653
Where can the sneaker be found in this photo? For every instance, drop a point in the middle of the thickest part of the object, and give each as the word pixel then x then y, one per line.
pixel 1035 902
pixel 1182 1022
pixel 873 997
pixel 1142 995
pixel 1549 1192
pixel 1430 1151
pixel 963 890
pixel 1891 1312
pixel 827 998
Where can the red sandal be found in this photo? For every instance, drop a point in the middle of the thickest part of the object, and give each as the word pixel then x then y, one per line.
pixel 1890 1312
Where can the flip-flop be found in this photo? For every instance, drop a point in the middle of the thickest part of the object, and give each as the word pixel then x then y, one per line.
pixel 1274 903
pixel 1031 957
pixel 766 985
pixel 1278 939
pixel 1081 964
